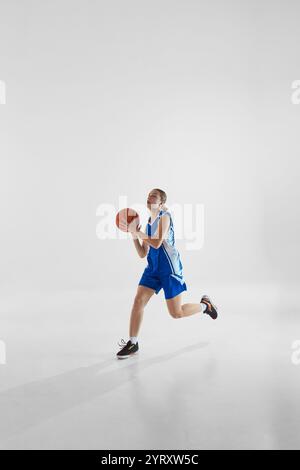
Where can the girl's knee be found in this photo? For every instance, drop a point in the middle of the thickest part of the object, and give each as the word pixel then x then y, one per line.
pixel 140 301
pixel 175 313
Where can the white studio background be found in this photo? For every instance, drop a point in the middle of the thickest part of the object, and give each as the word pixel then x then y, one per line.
pixel 113 98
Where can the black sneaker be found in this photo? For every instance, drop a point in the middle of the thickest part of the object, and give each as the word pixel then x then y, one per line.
pixel 128 349
pixel 211 309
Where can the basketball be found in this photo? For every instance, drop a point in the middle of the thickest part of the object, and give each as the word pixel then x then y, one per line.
pixel 124 217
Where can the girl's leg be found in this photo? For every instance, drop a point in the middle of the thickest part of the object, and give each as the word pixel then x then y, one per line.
pixel 141 299
pixel 176 310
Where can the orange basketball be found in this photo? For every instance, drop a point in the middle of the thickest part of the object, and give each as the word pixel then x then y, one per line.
pixel 127 216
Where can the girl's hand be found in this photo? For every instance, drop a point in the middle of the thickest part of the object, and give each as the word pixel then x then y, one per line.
pixel 133 227
pixel 134 232
pixel 123 225
pixel 138 228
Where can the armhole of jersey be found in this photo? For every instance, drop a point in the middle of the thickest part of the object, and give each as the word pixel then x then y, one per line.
pixel 168 213
pixel 170 224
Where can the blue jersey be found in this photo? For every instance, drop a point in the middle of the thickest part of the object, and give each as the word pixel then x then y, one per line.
pixel 164 260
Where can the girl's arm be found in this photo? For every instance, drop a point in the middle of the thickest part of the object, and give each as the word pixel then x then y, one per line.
pixel 156 240
pixel 142 249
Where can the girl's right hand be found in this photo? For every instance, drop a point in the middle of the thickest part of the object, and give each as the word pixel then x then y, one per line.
pixel 132 227
pixel 133 233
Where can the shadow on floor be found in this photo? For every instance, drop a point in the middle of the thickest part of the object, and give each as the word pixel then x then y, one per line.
pixel 30 404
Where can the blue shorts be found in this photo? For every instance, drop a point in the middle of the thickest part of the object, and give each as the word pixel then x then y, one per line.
pixel 171 284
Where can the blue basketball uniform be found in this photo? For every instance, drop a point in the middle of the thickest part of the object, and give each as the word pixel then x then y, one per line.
pixel 164 268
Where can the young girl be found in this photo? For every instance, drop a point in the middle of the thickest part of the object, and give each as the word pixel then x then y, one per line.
pixel 164 270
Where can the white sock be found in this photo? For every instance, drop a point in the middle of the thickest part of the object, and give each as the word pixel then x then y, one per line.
pixel 204 306
pixel 133 339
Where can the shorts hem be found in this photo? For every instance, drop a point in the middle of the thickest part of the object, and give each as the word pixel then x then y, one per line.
pixel 149 287
pixel 179 292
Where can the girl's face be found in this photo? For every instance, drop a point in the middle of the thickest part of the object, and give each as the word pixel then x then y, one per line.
pixel 154 200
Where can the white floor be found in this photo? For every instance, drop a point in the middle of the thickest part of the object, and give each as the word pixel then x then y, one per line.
pixel 195 384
